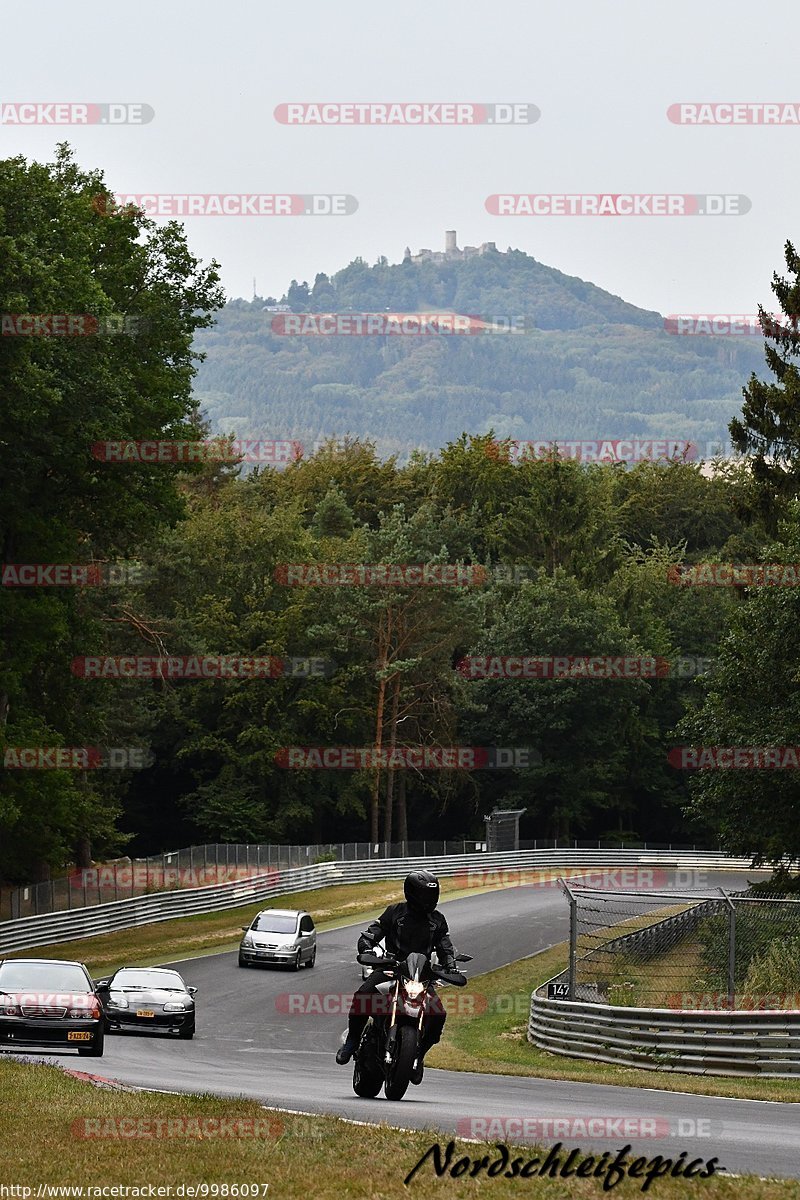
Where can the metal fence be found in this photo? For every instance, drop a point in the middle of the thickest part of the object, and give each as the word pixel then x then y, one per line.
pixel 525 868
pixel 683 951
pixel 199 866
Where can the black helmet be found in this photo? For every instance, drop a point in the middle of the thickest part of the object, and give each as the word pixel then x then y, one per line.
pixel 421 890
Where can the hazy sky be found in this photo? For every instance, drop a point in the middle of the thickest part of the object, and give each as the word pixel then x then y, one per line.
pixel 602 73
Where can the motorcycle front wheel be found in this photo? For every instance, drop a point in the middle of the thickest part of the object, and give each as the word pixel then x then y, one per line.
pixel 399 1075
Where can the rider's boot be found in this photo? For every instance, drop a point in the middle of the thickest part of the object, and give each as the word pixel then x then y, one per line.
pixel 346 1050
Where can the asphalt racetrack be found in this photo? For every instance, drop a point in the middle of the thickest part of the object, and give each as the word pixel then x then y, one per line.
pixel 250 1043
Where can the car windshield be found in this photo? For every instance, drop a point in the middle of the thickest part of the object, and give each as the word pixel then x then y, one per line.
pixel 42 977
pixel 166 980
pixel 272 923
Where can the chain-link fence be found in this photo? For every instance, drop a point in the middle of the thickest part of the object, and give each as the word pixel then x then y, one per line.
pixel 199 866
pixel 196 866
pixel 674 950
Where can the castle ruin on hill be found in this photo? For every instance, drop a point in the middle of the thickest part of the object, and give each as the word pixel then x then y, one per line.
pixel 451 252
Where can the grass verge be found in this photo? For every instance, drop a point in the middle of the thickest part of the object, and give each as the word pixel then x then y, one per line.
pixel 492 1038
pixel 44 1135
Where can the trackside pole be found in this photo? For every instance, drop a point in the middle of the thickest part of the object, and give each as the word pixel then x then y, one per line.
pixel 573 932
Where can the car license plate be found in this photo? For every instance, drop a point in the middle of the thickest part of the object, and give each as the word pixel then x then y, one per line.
pixel 79 1037
pixel 145 1012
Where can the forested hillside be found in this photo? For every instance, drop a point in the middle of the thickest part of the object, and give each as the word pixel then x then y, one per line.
pixel 587 365
pixel 394 578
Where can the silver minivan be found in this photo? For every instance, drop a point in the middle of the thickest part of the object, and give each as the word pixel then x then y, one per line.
pixel 279 935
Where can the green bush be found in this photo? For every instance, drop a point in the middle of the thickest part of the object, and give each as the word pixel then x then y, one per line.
pixel 759 928
pixel 775 969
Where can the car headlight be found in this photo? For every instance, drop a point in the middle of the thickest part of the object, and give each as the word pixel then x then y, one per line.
pixel 10 1010
pixel 413 989
pixel 118 1001
pixel 175 1006
pixel 87 1012
pixel 247 940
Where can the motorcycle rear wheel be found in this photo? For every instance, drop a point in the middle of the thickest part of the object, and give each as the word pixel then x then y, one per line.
pixel 399 1075
pixel 366 1083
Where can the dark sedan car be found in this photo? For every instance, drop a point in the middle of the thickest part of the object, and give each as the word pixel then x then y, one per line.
pixel 148 998
pixel 44 1002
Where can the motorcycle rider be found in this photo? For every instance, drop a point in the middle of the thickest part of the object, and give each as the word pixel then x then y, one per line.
pixel 415 926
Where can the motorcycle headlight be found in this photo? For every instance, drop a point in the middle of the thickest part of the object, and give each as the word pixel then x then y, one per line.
pixel 175 1006
pixel 117 1001
pixel 414 990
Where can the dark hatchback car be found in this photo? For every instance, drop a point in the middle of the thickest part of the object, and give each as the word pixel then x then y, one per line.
pixel 148 998
pixel 48 1003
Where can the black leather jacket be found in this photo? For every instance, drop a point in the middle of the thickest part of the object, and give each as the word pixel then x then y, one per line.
pixel 405 931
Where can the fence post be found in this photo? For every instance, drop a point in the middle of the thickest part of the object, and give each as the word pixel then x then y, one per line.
pixel 731 949
pixel 573 933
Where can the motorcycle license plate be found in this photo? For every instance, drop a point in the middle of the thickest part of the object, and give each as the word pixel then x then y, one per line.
pixel 145 1012
pixel 79 1037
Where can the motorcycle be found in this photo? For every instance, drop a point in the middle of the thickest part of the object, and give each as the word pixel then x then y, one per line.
pixel 391 1039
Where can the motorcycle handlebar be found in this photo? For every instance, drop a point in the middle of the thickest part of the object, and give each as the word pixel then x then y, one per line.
pixel 388 961
pixel 456 978
pixel 368 959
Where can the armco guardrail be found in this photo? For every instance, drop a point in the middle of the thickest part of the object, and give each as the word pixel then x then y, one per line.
pixel 727 1042
pixel 51 928
pixel 697 1043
